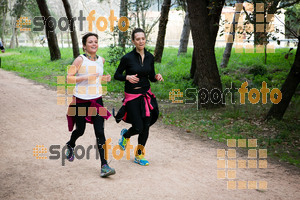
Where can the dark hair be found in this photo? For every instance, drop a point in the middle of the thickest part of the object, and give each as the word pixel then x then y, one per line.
pixel 85 37
pixel 137 30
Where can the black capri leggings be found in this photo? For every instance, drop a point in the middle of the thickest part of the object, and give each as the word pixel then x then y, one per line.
pixel 140 125
pixel 98 123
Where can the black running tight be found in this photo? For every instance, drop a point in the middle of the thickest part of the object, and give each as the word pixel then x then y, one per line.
pixel 98 123
pixel 140 126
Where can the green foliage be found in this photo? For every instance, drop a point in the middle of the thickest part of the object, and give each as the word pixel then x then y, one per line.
pixel 258 70
pixel 18 8
pixel 115 53
pixel 292 19
pixel 228 81
pixel 32 8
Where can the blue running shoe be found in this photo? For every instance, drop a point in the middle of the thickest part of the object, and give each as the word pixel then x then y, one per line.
pixel 70 153
pixel 107 171
pixel 122 140
pixel 141 160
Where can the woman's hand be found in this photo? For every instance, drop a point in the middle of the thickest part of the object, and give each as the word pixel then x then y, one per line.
pixel 92 78
pixel 103 78
pixel 159 77
pixel 106 78
pixel 132 78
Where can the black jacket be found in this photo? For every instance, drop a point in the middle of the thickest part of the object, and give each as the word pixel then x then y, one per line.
pixel 132 64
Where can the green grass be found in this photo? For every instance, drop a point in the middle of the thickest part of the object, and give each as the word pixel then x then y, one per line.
pixel 241 122
pixel 281 138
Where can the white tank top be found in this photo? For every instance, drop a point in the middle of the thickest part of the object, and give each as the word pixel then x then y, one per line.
pixel 89 89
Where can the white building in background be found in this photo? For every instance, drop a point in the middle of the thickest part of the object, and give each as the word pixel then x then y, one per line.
pixel 174 26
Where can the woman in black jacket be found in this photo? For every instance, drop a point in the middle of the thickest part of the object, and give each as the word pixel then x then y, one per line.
pixel 139 107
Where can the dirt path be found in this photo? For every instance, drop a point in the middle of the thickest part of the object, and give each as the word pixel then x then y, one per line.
pixel 181 167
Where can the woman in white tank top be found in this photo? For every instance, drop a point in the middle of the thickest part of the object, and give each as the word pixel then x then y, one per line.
pixel 87 105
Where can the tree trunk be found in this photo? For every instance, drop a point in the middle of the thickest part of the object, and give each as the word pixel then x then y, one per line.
pixel 18 10
pixel 265 49
pixel 273 7
pixel 123 12
pixel 185 34
pixel 214 15
pixel 12 43
pixel 288 89
pixel 50 32
pixel 193 65
pixel 137 7
pixel 17 40
pixel 68 38
pixel 143 18
pixel 204 31
pixel 228 48
pixel 72 28
pixel 14 38
pixel 62 39
pixel 5 7
pixel 160 42
pixel 158 5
